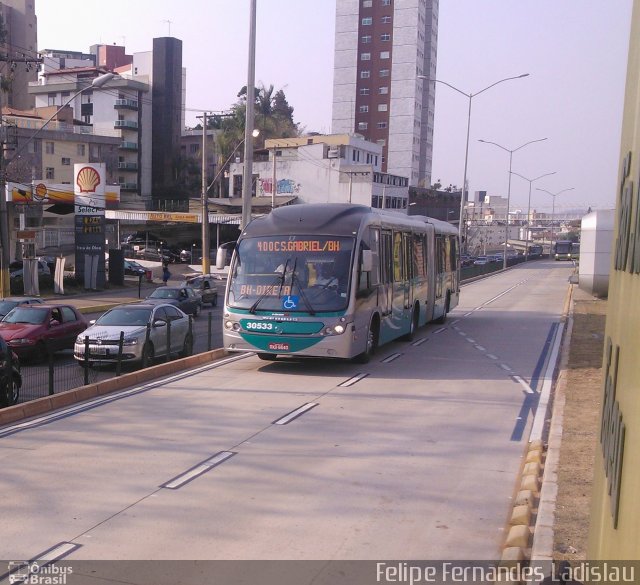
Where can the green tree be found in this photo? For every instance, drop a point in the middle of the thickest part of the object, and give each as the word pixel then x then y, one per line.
pixel 5 81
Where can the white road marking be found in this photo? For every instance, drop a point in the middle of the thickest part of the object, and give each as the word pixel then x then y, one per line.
pixel 287 418
pixel 198 470
pixel 353 380
pixel 480 348
pixel 524 384
pixel 440 330
pixel 505 367
pixel 389 359
pixel 420 341
pixel 492 357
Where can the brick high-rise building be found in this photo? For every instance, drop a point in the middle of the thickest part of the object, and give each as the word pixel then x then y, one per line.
pixel 381 49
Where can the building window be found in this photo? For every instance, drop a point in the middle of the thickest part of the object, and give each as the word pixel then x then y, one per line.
pixel 49 173
pixel 95 151
pixel 382 107
pixel 363 109
pixel 385 37
pixel 386 20
pixel 384 54
pixel 66 161
pixel 367 3
pixel 365 56
pixel 81 149
pixel 32 147
pixel 383 90
pixel 386 2
pixel 384 73
pixel 194 148
pixel 51 99
pixel 367 21
pixel 362 125
pixel 365 74
pixel 366 39
pixel 364 91
pixel 381 125
pixel 381 142
pixel 49 148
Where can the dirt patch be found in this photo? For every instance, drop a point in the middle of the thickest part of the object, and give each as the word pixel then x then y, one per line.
pixel 581 424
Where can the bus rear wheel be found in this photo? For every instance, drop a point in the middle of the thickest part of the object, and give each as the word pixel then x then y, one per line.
pixel 442 317
pixel 413 327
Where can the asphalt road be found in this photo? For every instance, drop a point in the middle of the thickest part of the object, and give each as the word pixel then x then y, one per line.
pixel 412 456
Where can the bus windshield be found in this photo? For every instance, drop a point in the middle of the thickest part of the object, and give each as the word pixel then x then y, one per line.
pixel 291 273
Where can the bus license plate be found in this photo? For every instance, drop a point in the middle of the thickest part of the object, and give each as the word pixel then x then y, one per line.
pixel 279 346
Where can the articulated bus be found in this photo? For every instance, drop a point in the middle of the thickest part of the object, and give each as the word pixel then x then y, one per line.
pixel 337 280
pixel 562 250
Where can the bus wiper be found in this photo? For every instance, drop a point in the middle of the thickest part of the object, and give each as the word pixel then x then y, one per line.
pixel 268 289
pixel 303 296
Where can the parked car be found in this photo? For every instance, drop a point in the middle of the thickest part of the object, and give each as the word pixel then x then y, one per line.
pixel 183 297
pixel 206 287
pixel 154 254
pixel 10 302
pixel 32 331
pixel 132 268
pixel 481 261
pixel 16 269
pixel 10 376
pixel 134 320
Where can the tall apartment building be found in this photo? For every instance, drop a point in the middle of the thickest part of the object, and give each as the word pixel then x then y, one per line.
pixel 20 47
pixel 381 49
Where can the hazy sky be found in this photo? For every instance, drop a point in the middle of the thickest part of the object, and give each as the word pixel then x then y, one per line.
pixel 574 50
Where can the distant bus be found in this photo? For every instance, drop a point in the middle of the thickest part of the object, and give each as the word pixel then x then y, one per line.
pixel 534 251
pixel 337 280
pixel 575 251
pixel 562 250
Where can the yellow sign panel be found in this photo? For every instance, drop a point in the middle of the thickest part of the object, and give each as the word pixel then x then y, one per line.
pixel 185 217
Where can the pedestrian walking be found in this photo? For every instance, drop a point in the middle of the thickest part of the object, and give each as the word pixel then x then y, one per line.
pixel 166 275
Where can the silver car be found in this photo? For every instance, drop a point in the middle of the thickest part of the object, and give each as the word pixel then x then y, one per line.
pixel 134 321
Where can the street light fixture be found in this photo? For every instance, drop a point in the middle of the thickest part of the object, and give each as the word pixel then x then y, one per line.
pixel 553 212
pixel 469 96
pixel 531 181
pixel 510 151
pixel 206 264
pixel 96 83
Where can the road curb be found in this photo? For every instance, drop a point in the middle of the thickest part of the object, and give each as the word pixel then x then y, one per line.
pixel 105 306
pixel 530 536
pixel 39 406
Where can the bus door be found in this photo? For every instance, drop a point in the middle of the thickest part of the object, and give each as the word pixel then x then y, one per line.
pixel 408 276
pixel 386 273
pixel 400 284
pixel 439 269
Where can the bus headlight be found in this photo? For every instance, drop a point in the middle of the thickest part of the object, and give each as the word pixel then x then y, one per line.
pixel 232 326
pixel 335 330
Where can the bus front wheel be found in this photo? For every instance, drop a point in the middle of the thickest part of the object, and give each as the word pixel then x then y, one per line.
pixel 372 343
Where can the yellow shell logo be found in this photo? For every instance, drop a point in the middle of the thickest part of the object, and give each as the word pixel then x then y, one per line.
pixel 40 192
pixel 87 180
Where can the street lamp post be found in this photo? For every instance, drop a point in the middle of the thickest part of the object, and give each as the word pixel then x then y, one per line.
pixel 553 213
pixel 96 82
pixel 531 181
pixel 469 96
pixel 510 151
pixel 247 180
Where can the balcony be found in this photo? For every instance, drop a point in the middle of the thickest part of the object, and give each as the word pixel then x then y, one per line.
pixel 126 124
pixel 127 166
pixel 124 145
pixel 126 104
pixel 128 186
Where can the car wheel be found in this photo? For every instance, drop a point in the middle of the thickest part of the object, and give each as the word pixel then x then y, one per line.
pixel 9 391
pixel 147 354
pixel 268 357
pixel 187 346
pixel 214 302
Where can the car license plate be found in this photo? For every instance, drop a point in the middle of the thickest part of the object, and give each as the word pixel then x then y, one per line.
pixel 100 351
pixel 279 346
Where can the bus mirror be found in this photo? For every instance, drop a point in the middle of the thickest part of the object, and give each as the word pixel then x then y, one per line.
pixel 367 260
pixel 221 256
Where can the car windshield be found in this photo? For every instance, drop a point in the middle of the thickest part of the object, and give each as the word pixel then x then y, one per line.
pixel 291 273
pixel 26 315
pixel 6 306
pixel 164 293
pixel 125 316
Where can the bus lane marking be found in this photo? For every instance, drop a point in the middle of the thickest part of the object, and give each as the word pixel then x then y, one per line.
pixel 392 357
pixel 353 380
pixel 440 330
pixel 197 470
pixel 523 383
pixel 294 414
pixel 419 341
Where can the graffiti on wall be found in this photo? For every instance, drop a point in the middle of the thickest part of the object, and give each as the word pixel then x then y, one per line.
pixel 283 187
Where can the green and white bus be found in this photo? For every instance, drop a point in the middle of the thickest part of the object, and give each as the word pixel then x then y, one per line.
pixel 337 280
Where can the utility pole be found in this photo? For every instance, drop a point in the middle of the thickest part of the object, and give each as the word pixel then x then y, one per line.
pixel 206 266
pixel 5 257
pixel 274 184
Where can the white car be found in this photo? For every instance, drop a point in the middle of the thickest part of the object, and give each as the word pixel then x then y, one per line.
pixel 145 334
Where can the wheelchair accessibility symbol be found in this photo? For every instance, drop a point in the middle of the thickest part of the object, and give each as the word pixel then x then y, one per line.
pixel 290 302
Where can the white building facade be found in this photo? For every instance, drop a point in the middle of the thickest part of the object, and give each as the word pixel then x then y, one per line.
pixel 382 48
